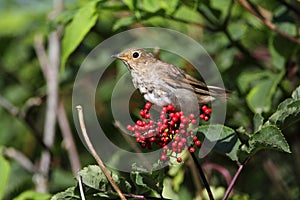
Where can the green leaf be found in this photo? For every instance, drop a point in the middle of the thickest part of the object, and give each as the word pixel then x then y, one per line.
pixel 93 177
pixel 296 93
pixel 260 97
pixel 148 182
pixel 68 194
pixel 220 5
pixel 258 121
pixel 226 139
pixel 286 115
pixel 32 195
pixel 5 172
pixel 288 111
pixel 151 5
pixel 269 137
pixel 248 78
pixel 82 22
pixel 123 22
pixel 131 4
pixel 288 45
pixel 278 60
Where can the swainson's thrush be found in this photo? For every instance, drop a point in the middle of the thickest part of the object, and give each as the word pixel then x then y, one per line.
pixel 162 83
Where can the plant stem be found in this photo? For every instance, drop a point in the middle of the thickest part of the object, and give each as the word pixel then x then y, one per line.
pixel 95 155
pixel 236 175
pixel 205 183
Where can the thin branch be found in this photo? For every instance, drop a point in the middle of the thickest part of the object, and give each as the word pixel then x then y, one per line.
pixel 50 67
pixel 68 139
pixel 267 23
pixel 22 159
pixel 94 153
pixel 41 54
pixel 82 195
pixel 9 107
pixel 195 176
pixel 205 183
pixel 236 175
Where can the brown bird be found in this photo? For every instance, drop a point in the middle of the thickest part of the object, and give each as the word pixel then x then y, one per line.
pixel 162 83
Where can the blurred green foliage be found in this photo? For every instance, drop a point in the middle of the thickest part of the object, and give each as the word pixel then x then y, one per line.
pixel 258 64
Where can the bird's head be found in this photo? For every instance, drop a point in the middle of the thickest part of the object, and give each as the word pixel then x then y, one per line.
pixel 135 57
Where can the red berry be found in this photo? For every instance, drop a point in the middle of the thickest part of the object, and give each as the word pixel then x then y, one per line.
pixel 174 144
pixel 148 106
pixel 179 159
pixel 142 113
pixel 192 116
pixel 206 118
pixel 147 116
pixel 170 108
pixel 180 145
pixel 195 138
pixel 204 107
pixel 163 157
pixel 207 111
pixel 130 128
pixel 202 116
pixel 194 121
pixel 183 140
pixel 197 143
pixel 139 123
pixel 192 149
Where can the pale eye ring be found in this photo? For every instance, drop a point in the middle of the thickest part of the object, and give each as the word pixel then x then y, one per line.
pixel 136 54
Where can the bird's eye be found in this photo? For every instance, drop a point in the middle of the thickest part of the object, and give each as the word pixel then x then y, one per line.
pixel 135 55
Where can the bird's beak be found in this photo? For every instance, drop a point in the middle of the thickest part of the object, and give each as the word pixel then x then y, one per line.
pixel 121 57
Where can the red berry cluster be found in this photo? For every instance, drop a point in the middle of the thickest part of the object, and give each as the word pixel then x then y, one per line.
pixel 205 113
pixel 171 131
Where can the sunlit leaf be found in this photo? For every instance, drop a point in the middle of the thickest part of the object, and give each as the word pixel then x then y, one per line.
pixel 82 22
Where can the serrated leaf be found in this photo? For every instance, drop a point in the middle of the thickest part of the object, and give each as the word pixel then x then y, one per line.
pixel 291 111
pixel 258 121
pixel 5 172
pixel 226 139
pixel 269 137
pixel 81 24
pixel 93 177
pixel 296 93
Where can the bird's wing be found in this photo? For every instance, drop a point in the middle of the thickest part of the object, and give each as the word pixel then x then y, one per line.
pixel 182 80
pixel 176 77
